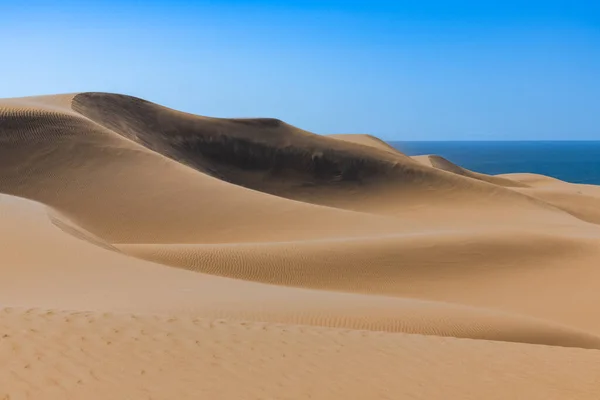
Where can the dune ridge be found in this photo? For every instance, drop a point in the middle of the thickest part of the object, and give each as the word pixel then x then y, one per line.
pixel 445 165
pixel 134 232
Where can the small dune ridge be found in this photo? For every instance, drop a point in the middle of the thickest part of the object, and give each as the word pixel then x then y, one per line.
pixel 152 253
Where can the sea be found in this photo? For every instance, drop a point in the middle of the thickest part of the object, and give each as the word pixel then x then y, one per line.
pixel 571 161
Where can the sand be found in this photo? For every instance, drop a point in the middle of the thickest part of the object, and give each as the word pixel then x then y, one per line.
pixel 152 254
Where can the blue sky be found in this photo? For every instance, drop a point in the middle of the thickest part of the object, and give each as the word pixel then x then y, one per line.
pixel 401 70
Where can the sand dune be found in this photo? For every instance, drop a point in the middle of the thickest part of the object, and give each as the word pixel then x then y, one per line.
pixel 366 140
pixel 157 254
pixel 79 272
pixel 445 165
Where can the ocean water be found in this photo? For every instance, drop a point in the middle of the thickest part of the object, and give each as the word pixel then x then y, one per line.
pixel 571 161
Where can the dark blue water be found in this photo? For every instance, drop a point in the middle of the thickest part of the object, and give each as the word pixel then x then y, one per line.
pixel 575 161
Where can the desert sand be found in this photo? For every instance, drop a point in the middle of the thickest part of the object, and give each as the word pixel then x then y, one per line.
pixel 148 253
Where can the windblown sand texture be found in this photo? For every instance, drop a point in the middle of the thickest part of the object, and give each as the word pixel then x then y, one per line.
pixel 151 254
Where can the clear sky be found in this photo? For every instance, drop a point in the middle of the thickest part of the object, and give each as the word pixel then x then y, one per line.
pixel 403 70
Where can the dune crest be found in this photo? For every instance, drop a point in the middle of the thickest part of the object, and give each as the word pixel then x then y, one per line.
pixel 445 165
pixel 133 232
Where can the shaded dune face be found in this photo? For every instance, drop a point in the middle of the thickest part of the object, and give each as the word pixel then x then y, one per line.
pixel 343 171
pixel 263 150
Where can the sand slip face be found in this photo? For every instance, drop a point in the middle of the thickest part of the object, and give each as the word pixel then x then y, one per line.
pixel 357 271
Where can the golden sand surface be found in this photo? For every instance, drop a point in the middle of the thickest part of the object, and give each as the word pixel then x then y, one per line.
pixel 147 253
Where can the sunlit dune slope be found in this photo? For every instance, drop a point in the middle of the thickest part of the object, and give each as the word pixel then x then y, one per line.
pixel 72 270
pixel 366 140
